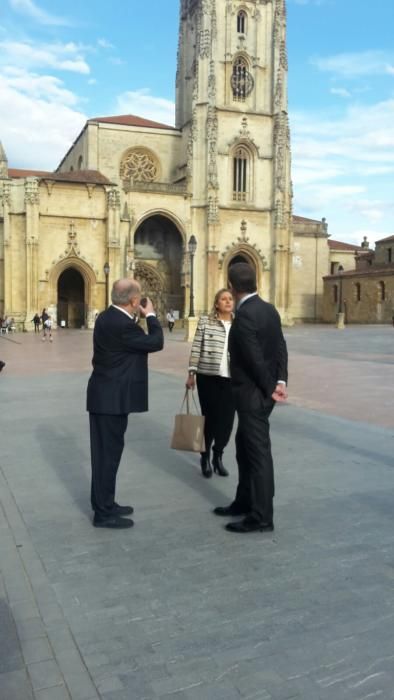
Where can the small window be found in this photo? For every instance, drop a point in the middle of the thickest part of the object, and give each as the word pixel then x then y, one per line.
pixel 240 174
pixel 335 293
pixel 381 291
pixel 241 22
pixel 389 255
pixel 357 291
pixel 80 163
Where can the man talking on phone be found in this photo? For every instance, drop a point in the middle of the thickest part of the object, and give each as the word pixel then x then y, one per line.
pixel 118 386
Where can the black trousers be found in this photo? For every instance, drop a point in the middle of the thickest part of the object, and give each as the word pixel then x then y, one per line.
pixel 217 405
pixel 106 447
pixel 256 488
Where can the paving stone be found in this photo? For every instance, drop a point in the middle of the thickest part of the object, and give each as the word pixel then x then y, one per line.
pixel 45 674
pixel 15 685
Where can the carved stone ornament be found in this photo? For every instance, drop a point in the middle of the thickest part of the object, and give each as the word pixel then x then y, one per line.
pixel 5 194
pixel 213 209
pixel 139 165
pixel 113 198
pixel 32 195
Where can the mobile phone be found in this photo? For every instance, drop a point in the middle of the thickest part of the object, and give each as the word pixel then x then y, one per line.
pixel 143 302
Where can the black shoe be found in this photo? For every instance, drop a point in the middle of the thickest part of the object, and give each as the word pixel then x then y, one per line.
pixel 2 365
pixel 121 510
pixel 217 464
pixel 112 521
pixel 228 511
pixel 250 525
pixel 205 465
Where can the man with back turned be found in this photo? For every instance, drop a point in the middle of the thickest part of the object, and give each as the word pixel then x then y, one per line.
pixel 258 367
pixel 118 386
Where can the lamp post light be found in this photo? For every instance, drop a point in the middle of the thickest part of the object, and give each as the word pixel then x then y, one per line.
pixel 192 247
pixel 106 273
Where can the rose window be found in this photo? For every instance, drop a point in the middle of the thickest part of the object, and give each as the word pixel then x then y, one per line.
pixel 139 166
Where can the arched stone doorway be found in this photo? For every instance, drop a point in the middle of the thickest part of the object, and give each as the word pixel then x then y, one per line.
pixel 158 252
pixel 240 259
pixel 71 306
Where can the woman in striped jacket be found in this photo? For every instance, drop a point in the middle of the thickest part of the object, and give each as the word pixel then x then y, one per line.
pixel 209 364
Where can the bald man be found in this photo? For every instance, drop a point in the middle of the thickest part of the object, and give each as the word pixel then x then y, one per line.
pixel 118 386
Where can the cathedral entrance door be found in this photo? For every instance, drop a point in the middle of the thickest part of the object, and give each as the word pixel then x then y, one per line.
pixel 71 307
pixel 158 250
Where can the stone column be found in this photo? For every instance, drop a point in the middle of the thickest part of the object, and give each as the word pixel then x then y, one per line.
pixel 32 201
pixel 113 236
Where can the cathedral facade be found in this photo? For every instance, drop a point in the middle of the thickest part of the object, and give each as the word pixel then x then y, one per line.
pixel 130 193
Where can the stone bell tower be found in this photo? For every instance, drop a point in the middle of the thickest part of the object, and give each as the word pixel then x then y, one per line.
pixel 231 106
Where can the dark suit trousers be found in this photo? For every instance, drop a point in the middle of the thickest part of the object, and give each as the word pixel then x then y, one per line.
pixel 256 488
pixel 106 447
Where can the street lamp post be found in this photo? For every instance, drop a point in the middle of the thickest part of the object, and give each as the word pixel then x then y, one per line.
pixel 106 273
pixel 340 315
pixel 192 247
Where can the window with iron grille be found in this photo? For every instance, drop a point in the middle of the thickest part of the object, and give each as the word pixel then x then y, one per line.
pixel 241 163
pixel 241 81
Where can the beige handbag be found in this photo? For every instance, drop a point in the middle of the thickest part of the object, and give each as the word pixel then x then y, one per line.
pixel 188 432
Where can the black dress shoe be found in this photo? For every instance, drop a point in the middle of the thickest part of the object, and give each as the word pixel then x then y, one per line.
pixel 2 364
pixel 250 525
pixel 112 521
pixel 228 511
pixel 121 510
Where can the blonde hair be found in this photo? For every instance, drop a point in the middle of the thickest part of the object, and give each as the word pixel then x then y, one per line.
pixel 214 311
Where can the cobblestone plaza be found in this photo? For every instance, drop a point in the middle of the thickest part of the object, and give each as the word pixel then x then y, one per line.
pixel 177 608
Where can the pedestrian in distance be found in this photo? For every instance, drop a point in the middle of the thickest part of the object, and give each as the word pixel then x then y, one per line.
pixel 209 366
pixel 118 386
pixel 258 367
pixel 170 320
pixel 47 329
pixel 36 320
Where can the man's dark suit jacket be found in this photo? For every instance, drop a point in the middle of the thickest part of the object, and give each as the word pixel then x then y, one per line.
pixel 258 354
pixel 119 381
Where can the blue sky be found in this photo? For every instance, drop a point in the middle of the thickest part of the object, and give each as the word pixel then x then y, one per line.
pixel 62 62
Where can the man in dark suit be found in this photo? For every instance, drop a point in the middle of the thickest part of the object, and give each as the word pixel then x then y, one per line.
pixel 118 386
pixel 258 368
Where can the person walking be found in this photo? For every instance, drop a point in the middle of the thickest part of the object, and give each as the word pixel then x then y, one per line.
pixel 258 367
pixel 47 328
pixel 36 321
pixel 170 320
pixel 118 386
pixel 209 364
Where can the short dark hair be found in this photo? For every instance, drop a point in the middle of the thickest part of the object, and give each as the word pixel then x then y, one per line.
pixel 242 278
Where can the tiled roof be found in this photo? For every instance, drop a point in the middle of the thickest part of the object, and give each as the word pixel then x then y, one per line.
pixel 385 240
pixel 340 245
pixel 131 120
pixel 18 172
pixel 93 177
pixel 373 270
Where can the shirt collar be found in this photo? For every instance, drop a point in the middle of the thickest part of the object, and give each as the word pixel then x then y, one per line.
pixel 247 296
pixel 123 311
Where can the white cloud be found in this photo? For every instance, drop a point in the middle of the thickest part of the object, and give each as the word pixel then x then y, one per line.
pixel 143 104
pixel 351 65
pixel 58 56
pixel 343 165
pixel 341 92
pixel 37 122
pixel 31 9
pixel 104 44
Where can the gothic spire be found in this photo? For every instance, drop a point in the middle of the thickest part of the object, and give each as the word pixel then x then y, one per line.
pixel 3 162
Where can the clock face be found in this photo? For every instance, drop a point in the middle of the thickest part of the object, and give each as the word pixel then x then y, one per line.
pixel 242 83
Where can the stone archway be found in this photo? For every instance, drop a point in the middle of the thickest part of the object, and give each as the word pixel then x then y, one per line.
pixel 71 299
pixel 158 253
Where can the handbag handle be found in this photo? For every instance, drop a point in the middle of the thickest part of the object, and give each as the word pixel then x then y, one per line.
pixel 187 399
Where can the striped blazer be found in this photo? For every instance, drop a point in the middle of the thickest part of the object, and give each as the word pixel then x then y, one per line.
pixel 208 346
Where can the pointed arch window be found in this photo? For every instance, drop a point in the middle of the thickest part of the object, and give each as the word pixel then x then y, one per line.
pixel 241 80
pixel 241 174
pixel 242 19
pixel 381 291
